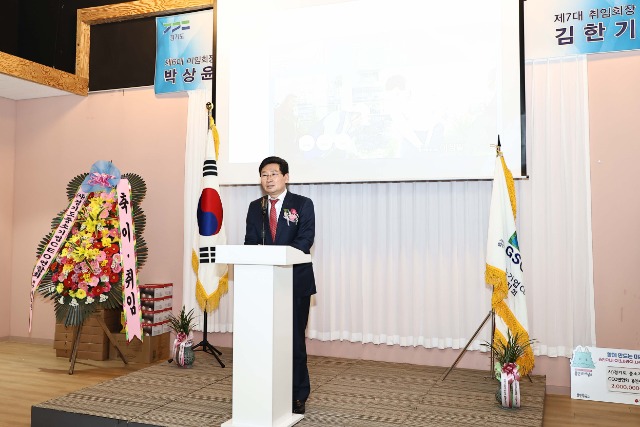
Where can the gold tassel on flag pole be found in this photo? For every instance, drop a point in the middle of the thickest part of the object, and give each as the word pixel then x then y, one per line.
pixel 214 130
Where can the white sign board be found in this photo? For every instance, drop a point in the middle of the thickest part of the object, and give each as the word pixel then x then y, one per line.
pixel 605 375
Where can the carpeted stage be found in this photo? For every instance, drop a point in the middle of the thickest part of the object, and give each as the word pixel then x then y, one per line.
pixel 345 392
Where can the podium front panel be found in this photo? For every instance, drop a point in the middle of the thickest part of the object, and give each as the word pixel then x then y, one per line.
pixel 262 344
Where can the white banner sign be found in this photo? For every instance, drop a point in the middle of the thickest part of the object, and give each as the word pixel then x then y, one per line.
pixel 605 375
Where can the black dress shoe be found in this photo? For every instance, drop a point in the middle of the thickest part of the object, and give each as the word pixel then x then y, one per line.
pixel 298 407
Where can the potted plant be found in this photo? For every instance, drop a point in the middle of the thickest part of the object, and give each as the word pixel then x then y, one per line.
pixel 506 354
pixel 183 325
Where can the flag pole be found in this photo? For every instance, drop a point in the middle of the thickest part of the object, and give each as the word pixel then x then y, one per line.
pixel 207 347
pixel 491 315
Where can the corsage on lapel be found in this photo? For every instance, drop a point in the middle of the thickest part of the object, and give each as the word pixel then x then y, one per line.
pixel 291 215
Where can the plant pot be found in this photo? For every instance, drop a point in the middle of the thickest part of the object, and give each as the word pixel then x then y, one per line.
pixel 186 357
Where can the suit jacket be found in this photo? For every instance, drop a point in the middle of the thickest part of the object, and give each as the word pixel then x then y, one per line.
pixel 298 234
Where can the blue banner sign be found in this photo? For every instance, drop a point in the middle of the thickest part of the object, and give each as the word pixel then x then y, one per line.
pixel 556 28
pixel 184 51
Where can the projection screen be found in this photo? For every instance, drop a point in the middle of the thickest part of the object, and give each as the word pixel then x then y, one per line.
pixel 369 90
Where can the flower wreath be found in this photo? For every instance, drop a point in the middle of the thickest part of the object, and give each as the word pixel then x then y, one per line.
pixel 86 273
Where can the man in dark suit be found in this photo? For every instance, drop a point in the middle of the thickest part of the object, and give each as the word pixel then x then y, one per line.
pixel 284 218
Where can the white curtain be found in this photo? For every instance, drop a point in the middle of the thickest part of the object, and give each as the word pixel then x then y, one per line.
pixel 403 263
pixel 556 206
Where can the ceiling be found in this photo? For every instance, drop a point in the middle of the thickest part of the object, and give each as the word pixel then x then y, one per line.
pixel 18 89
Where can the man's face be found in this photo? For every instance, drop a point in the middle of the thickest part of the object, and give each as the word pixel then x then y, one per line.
pixel 272 180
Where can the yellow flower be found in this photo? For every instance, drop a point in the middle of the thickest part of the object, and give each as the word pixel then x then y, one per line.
pixel 72 294
pixel 65 251
pixel 78 254
pixel 92 253
pixel 106 242
pixel 95 204
pixel 81 294
pixel 86 276
pixel 67 268
pixel 91 225
pixel 60 287
pixel 81 253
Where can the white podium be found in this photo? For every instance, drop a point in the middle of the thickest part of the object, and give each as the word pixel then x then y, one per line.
pixel 262 333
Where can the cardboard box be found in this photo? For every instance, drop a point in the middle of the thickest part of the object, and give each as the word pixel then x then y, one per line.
pixel 155 316
pixel 156 290
pixel 94 343
pixel 151 349
pixel 156 304
pixel 152 329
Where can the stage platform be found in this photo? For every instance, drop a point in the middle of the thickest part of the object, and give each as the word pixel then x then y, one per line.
pixel 345 392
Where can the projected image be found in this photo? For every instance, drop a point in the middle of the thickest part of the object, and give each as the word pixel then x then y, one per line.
pixel 380 113
pixel 380 97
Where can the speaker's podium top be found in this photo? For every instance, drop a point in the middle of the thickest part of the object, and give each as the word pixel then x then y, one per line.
pixel 260 255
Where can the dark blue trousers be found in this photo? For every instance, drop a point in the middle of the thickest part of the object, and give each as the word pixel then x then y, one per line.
pixel 301 385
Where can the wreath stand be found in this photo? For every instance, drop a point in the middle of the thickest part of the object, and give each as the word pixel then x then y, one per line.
pixel 76 343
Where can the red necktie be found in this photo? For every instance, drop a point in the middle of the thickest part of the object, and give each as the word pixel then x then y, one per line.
pixel 273 219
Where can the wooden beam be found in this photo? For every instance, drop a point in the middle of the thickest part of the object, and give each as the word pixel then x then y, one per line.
pixel 83 46
pixel 139 9
pixel 124 12
pixel 41 74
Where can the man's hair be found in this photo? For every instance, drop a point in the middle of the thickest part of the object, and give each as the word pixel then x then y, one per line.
pixel 284 166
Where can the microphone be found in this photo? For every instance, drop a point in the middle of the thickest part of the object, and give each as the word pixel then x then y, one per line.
pixel 264 215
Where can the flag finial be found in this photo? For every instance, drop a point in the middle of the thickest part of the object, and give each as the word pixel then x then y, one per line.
pixel 498 147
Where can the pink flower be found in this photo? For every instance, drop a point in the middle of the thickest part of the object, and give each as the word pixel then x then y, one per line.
pixel 293 211
pixel 116 265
